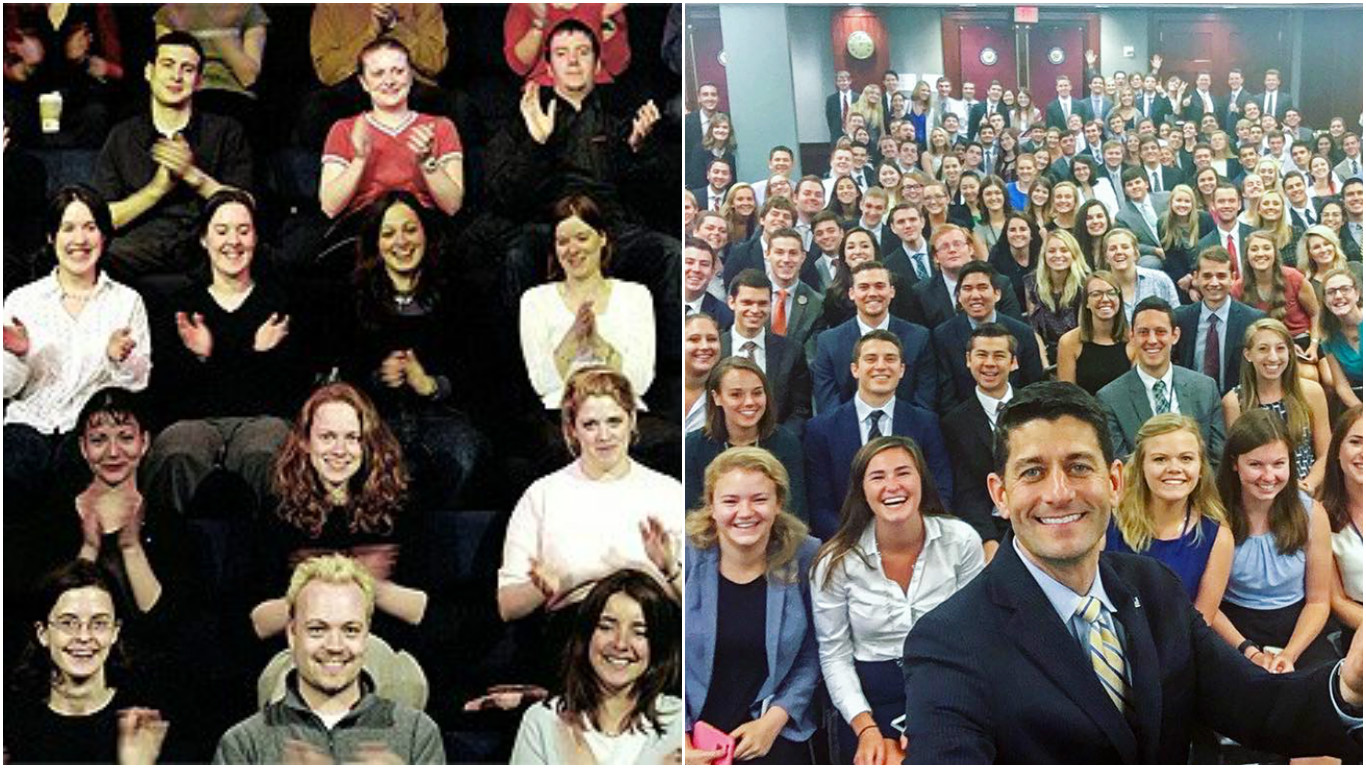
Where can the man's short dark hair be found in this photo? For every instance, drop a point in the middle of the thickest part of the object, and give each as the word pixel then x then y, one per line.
pixel 780 148
pixel 1227 185
pixel 975 267
pixel 809 179
pixel 1051 401
pixel 867 265
pixel 1301 143
pixel 820 218
pixel 877 334
pixel 1133 172
pixel 716 160
pixel 750 278
pixel 573 25
pixel 1156 304
pixel 699 244
pixel 902 207
pixel 176 37
pixel 779 202
pixel 787 232
pixel 381 43
pixel 1354 181
pixel 1215 253
pixel 993 331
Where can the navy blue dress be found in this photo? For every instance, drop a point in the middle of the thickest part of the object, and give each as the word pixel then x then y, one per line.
pixel 1186 556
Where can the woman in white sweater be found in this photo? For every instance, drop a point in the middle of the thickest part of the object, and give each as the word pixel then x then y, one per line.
pixel 585 318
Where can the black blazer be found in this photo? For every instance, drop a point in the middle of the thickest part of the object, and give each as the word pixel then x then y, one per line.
pixel 1196 109
pixel 695 172
pixel 1161 107
pixel 1229 120
pixel 967 436
pixel 700 194
pixel 932 304
pixel 746 254
pixel 992 676
pixel 979 113
pixel 1240 316
pixel 832 112
pixel 718 309
pixel 1213 239
pixel 1054 118
pixel 951 347
pixel 788 378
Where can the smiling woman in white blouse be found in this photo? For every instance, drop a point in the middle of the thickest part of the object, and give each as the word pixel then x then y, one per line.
pixel 896 556
pixel 585 318
pixel 66 335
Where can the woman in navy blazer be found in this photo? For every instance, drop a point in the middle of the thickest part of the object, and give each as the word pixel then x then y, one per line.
pixel 748 594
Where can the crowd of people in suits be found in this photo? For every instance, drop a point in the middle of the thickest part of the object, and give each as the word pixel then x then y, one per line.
pixel 1183 267
pixel 198 400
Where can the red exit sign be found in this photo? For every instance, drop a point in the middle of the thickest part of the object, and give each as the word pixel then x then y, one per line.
pixel 1027 14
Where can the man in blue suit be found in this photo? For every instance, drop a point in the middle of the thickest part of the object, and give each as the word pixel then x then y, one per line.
pixel 1212 330
pixel 775 214
pixel 872 293
pixel 699 265
pixel 833 437
pixel 978 295
pixel 1059 652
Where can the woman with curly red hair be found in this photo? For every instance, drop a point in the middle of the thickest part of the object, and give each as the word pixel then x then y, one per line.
pixel 342 487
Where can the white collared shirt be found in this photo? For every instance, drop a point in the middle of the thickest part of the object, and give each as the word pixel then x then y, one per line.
pixel 863 615
pixel 787 301
pixel 990 404
pixel 921 254
pixel 67 361
pixel 1148 382
pixel 864 410
pixel 693 307
pixel 1065 602
pixel 737 341
pixel 950 285
pixel 863 329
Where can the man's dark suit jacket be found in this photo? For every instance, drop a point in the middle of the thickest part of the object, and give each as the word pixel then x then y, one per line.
pixel 979 113
pixel 788 377
pixel 1161 108
pixel 700 195
pixel 1170 178
pixel 1054 118
pixel 951 349
pixel 993 676
pixel 1229 120
pixel 718 309
pixel 834 384
pixel 1240 316
pixel 932 304
pixel 967 435
pixel 1196 108
pixel 1283 102
pixel 746 254
pixel 1106 104
pixel 1214 238
pixel 833 117
pixel 692 128
pixel 832 439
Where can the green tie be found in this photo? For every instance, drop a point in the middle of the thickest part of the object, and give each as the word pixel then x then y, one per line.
pixel 1107 657
pixel 1163 403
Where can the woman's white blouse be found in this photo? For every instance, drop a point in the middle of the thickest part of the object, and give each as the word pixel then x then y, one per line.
pixel 628 325
pixel 585 529
pixel 864 615
pixel 67 360
pixel 1347 554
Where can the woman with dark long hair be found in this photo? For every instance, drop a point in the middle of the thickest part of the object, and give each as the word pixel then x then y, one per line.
pixel 1096 352
pixel 995 207
pixel 1276 603
pixel 75 701
pixel 718 144
pixel 857 247
pixel 1282 292
pixel 1094 220
pixel 622 662
pixel 738 413
pixel 402 351
pixel 1341 496
pixel 896 556
pixel 1016 253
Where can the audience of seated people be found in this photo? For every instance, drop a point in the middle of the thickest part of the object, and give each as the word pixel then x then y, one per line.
pixel 426 407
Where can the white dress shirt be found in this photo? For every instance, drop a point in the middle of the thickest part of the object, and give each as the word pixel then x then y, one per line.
pixel 991 404
pixel 862 614
pixel 864 410
pixel 1202 329
pixel 1148 382
pixel 67 361
pixel 737 342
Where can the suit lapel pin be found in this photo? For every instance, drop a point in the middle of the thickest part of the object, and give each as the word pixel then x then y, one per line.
pixel 801 298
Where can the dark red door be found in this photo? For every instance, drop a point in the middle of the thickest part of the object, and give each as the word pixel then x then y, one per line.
pixel 1189 44
pixel 703 65
pixel 986 52
pixel 1056 49
pixel 862 71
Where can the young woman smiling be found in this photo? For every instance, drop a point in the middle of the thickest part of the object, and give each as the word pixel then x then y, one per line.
pixel 748 590
pixel 737 415
pixel 896 556
pixel 1054 295
pixel 1340 367
pixel 1096 352
pixel 1268 380
pixel 701 350
pixel 1283 294
pixel 1171 510
pixel 1341 496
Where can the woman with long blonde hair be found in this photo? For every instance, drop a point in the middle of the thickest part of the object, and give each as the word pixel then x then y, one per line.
pixel 1268 380
pixel 1273 217
pixel 745 551
pixel 740 211
pixel 869 104
pixel 1171 510
pixel 1054 295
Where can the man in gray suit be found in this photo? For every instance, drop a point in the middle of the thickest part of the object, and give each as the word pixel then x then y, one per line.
pixel 1155 386
pixel 1350 167
pixel 1141 210
pixel 797 307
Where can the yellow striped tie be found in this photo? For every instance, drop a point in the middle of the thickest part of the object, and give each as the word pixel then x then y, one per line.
pixel 1107 656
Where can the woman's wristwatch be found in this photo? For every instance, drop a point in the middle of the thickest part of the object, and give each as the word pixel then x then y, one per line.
pixel 1243 646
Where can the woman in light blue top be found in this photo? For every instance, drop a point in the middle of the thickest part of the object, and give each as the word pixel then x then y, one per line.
pixel 1277 600
pixel 1135 283
pixel 896 556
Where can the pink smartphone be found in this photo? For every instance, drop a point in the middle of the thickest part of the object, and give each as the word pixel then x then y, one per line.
pixel 707 737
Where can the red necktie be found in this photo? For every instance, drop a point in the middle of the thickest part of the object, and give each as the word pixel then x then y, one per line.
pixel 844 108
pixel 780 313
pixel 1211 361
pixel 1233 256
